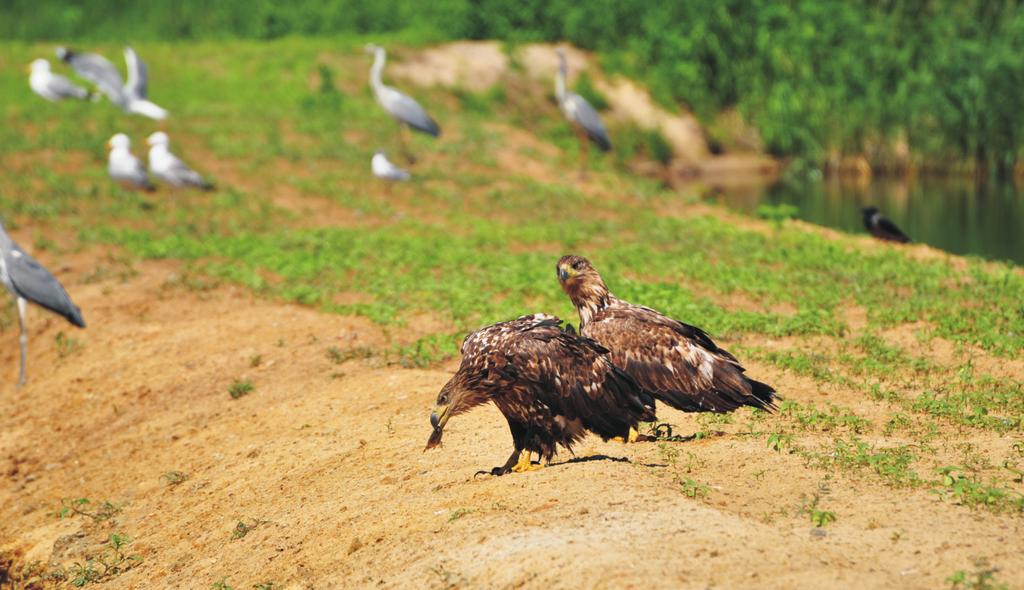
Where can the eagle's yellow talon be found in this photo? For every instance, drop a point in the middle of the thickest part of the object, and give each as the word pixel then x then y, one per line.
pixel 524 464
pixel 633 435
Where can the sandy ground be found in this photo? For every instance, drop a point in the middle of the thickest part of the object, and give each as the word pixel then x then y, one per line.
pixel 325 461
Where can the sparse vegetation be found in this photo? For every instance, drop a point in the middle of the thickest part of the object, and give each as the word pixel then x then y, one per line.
pixel 244 528
pixel 240 388
pixel 97 511
pixel 891 361
pixel 173 478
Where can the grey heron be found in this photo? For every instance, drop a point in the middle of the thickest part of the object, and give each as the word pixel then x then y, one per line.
pixel 168 168
pixel 583 118
pixel 131 97
pixel 880 227
pixel 124 167
pixel 28 281
pixel 53 87
pixel 385 170
pixel 402 107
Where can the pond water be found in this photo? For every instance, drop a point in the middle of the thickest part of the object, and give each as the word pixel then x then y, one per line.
pixel 959 216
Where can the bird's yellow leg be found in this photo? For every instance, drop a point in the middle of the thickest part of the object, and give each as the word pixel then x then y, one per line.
pixel 632 437
pixel 524 463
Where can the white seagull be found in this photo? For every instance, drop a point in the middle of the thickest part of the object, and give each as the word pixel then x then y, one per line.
pixel 124 167
pixel 53 87
pixel 131 97
pixel 168 168
pixel 384 169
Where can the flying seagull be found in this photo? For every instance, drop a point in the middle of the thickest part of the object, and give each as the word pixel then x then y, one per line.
pixel 385 170
pixel 124 167
pixel 402 107
pixel 552 386
pixel 677 363
pixel 882 228
pixel 583 118
pixel 28 282
pixel 98 70
pixel 131 97
pixel 53 87
pixel 137 88
pixel 168 168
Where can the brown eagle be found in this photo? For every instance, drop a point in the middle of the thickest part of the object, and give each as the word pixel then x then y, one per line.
pixel 677 363
pixel 552 386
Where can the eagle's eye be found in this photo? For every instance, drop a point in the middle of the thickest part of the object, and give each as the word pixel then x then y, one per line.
pixel 443 399
pixel 578 265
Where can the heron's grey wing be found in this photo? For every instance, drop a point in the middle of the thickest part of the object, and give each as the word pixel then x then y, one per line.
pixel 64 88
pixel 98 70
pixel 587 118
pixel 33 282
pixel 138 75
pixel 407 110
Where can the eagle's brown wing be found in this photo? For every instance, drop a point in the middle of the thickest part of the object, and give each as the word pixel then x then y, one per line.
pixel 570 374
pixel 677 363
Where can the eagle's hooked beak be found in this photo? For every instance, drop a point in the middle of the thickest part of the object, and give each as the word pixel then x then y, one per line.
pixel 563 274
pixel 438 418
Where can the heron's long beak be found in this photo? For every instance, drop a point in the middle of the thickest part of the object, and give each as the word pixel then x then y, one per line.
pixel 438 418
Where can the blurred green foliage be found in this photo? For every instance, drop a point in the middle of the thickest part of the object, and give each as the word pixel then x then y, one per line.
pixel 818 78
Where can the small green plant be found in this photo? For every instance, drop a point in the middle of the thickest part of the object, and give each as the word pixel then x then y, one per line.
pixel 112 562
pixel 264 586
pixel 969 491
pixel 982 578
pixel 255 360
pixel 173 478
pixel 777 214
pixel 810 507
pixel 221 584
pixel 778 441
pixel 694 489
pixel 97 511
pixel 66 345
pixel 240 388
pixel 448 579
pixel 338 356
pixel 242 528
pixel 459 513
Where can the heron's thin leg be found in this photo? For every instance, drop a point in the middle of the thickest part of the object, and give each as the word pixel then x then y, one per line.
pixel 22 339
pixel 403 134
pixel 584 152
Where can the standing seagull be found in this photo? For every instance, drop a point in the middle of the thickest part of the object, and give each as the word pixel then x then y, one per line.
pixel 581 115
pixel 28 281
pixel 168 168
pixel 385 170
pixel 882 228
pixel 124 167
pixel 53 87
pixel 403 108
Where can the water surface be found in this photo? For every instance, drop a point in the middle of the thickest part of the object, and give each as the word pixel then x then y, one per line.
pixel 959 216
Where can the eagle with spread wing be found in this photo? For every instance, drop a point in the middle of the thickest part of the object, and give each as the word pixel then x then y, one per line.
pixel 676 363
pixel 551 385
